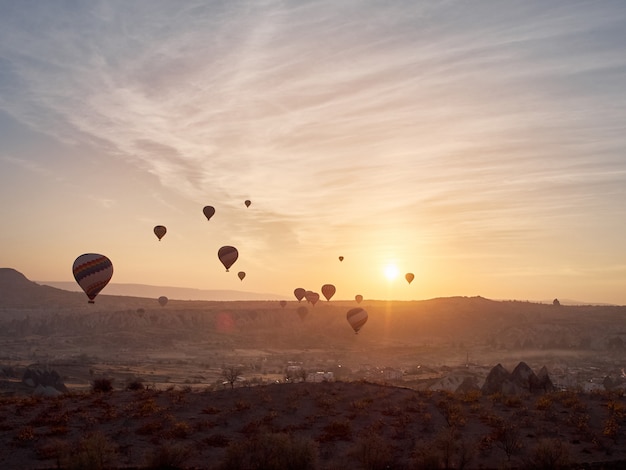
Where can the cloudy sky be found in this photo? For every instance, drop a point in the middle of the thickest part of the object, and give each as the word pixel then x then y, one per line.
pixel 480 145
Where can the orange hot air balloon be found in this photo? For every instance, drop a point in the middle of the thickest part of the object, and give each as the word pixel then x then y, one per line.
pixel 160 231
pixel 357 317
pixel 163 301
pixel 299 293
pixel 228 255
pixel 328 290
pixel 283 303
pixel 358 298
pixel 208 211
pixel 247 202
pixel 92 272
pixel 409 277
pixel 341 258
pixel 241 275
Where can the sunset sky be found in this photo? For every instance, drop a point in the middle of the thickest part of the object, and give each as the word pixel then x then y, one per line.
pixel 480 145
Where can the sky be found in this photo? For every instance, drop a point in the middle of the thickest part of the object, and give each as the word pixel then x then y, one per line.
pixel 480 145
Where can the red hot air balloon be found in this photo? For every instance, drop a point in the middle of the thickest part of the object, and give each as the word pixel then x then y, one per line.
pixel 228 255
pixel 163 301
pixel 160 231
pixel 312 297
pixel 357 318
pixel 208 211
pixel 92 273
pixel 283 303
pixel 409 277
pixel 241 275
pixel 358 298
pixel 328 290
pixel 340 258
pixel 247 202
pixel 299 293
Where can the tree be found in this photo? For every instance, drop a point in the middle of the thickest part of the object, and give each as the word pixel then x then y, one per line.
pixel 231 374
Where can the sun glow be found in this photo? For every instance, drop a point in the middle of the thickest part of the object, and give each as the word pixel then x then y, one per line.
pixel 391 272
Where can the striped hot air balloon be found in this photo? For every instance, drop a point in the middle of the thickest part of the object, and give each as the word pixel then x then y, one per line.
pixel 92 273
pixel 357 317
pixel 228 255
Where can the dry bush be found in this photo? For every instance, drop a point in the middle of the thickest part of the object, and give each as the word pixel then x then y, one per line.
pixel 549 454
pixel 168 456
pixel 135 385
pixel 94 452
pixel 374 452
pixel 216 440
pixel 271 450
pixel 338 430
pixel 103 385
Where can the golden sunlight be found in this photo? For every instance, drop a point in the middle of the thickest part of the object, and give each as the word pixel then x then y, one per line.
pixel 391 272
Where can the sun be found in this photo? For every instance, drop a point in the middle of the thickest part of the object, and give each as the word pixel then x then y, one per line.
pixel 391 272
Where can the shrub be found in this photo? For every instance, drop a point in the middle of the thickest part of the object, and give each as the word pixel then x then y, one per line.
pixel 94 452
pixel 168 456
pixel 102 385
pixel 339 430
pixel 271 450
pixel 135 385
pixel 374 453
pixel 549 454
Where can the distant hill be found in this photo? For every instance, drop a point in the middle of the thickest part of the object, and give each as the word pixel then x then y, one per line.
pixel 17 291
pixel 173 293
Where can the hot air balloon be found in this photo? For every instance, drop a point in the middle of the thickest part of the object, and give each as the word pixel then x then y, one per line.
pixel 341 258
pixel 409 277
pixel 92 273
pixel 160 231
pixel 163 301
pixel 299 293
pixel 228 255
pixel 328 290
pixel 312 297
pixel 247 202
pixel 302 312
pixel 283 303
pixel 357 318
pixel 358 298
pixel 208 211
pixel 241 275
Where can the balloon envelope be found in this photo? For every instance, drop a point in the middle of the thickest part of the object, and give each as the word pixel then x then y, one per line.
pixel 208 211
pixel 163 301
pixel 247 202
pixel 358 298
pixel 312 297
pixel 341 258
pixel 328 290
pixel 283 303
pixel 92 272
pixel 227 255
pixel 409 277
pixel 241 275
pixel 357 317
pixel 160 231
pixel 299 293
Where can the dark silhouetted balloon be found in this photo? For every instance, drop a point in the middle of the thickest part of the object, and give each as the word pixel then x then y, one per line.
pixel 209 211
pixel 299 293
pixel 409 277
pixel 357 317
pixel 341 258
pixel 228 255
pixel 241 275
pixel 302 312
pixel 312 297
pixel 358 298
pixel 283 303
pixel 160 231
pixel 247 202
pixel 92 273
pixel 328 290
pixel 163 301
